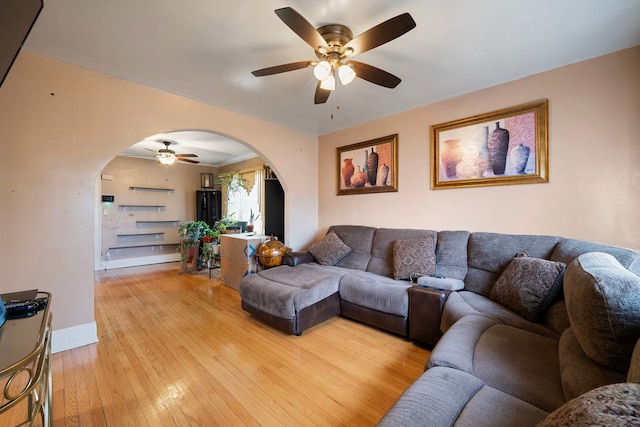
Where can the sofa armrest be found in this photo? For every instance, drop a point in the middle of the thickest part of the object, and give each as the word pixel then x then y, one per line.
pixel 294 258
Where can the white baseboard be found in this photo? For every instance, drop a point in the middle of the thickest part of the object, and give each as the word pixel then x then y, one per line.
pixel 134 262
pixel 75 336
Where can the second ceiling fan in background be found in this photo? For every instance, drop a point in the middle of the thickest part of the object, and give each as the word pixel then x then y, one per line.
pixel 334 45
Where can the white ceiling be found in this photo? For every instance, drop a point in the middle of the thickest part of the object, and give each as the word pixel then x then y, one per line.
pixel 206 50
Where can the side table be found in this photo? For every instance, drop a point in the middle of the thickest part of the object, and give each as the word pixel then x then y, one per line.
pixel 25 365
pixel 425 313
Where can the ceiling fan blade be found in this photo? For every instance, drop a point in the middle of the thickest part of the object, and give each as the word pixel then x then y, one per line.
pixel 187 160
pixel 375 75
pixel 186 155
pixel 321 95
pixel 382 33
pixel 301 27
pixel 282 68
pixel 149 149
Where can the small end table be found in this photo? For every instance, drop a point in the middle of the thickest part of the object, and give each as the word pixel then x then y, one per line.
pixel 425 313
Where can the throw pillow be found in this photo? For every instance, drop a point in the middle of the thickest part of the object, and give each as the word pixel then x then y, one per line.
pixel 414 256
pixel 529 286
pixel 329 250
pixel 610 405
pixel 603 303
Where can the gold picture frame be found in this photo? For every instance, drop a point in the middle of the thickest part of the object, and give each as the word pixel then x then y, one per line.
pixel 368 167
pixel 504 147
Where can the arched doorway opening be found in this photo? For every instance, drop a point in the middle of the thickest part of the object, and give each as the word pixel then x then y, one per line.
pixel 141 202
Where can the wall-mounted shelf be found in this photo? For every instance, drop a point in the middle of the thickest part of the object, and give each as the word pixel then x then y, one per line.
pixel 158 222
pixel 168 190
pixel 143 206
pixel 139 234
pixel 156 245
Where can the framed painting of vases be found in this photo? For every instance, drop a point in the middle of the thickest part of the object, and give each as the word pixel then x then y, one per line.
pixel 369 166
pixel 503 147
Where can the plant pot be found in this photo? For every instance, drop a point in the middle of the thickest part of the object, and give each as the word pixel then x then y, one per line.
pixel 250 228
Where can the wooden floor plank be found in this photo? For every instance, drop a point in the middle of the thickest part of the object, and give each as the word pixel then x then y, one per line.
pixel 177 350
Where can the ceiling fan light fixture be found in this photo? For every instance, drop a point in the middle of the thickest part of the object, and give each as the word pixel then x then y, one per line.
pixel 166 158
pixel 346 74
pixel 322 71
pixel 329 83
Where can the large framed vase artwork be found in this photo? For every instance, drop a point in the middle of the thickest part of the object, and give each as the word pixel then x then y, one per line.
pixel 504 147
pixel 369 166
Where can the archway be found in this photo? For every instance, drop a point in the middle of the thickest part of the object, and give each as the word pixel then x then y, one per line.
pixel 140 201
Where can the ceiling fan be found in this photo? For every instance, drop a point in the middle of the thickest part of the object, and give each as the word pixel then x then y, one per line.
pixel 166 156
pixel 334 45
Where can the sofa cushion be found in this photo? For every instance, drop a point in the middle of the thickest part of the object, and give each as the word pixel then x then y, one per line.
pixel 514 361
pixel 490 253
pixel 455 348
pixel 447 397
pixel 414 256
pixel 376 292
pixel 464 303
pixel 329 250
pixel 451 254
pixel 359 238
pixel 522 364
pixel 580 373
pixel 381 261
pixel 633 376
pixel 283 291
pixel 529 286
pixel 603 303
pixel 569 249
pixel 610 405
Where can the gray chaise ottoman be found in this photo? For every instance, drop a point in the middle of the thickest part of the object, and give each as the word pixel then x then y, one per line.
pixel 293 299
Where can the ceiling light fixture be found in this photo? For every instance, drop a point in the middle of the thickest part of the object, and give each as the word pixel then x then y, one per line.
pixel 322 70
pixel 329 83
pixel 167 158
pixel 325 72
pixel 346 74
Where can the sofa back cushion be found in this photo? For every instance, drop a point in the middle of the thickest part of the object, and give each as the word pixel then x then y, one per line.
pixel 381 260
pixel 603 303
pixel 490 253
pixel 578 372
pixel 359 238
pixel 451 254
pixel 569 249
pixel 633 376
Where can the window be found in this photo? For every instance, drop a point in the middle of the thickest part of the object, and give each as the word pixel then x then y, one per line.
pixel 242 202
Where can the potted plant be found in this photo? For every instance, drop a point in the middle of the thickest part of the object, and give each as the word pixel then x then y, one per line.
pixel 210 248
pixel 192 231
pixel 252 219
pixel 223 224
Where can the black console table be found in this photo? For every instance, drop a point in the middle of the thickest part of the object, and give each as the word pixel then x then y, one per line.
pixel 25 366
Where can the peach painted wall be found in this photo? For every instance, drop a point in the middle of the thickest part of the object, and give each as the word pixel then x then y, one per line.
pixel 594 150
pixel 61 125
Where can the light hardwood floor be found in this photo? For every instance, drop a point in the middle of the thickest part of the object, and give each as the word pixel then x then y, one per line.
pixel 177 350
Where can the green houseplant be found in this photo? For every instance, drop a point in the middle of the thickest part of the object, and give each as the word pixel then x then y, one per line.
pixel 252 219
pixel 192 231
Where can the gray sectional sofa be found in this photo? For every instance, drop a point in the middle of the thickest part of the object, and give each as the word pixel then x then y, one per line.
pixel 542 321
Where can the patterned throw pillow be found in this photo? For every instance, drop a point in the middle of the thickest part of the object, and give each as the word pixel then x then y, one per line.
pixel 414 256
pixel 529 286
pixel 329 250
pixel 610 405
